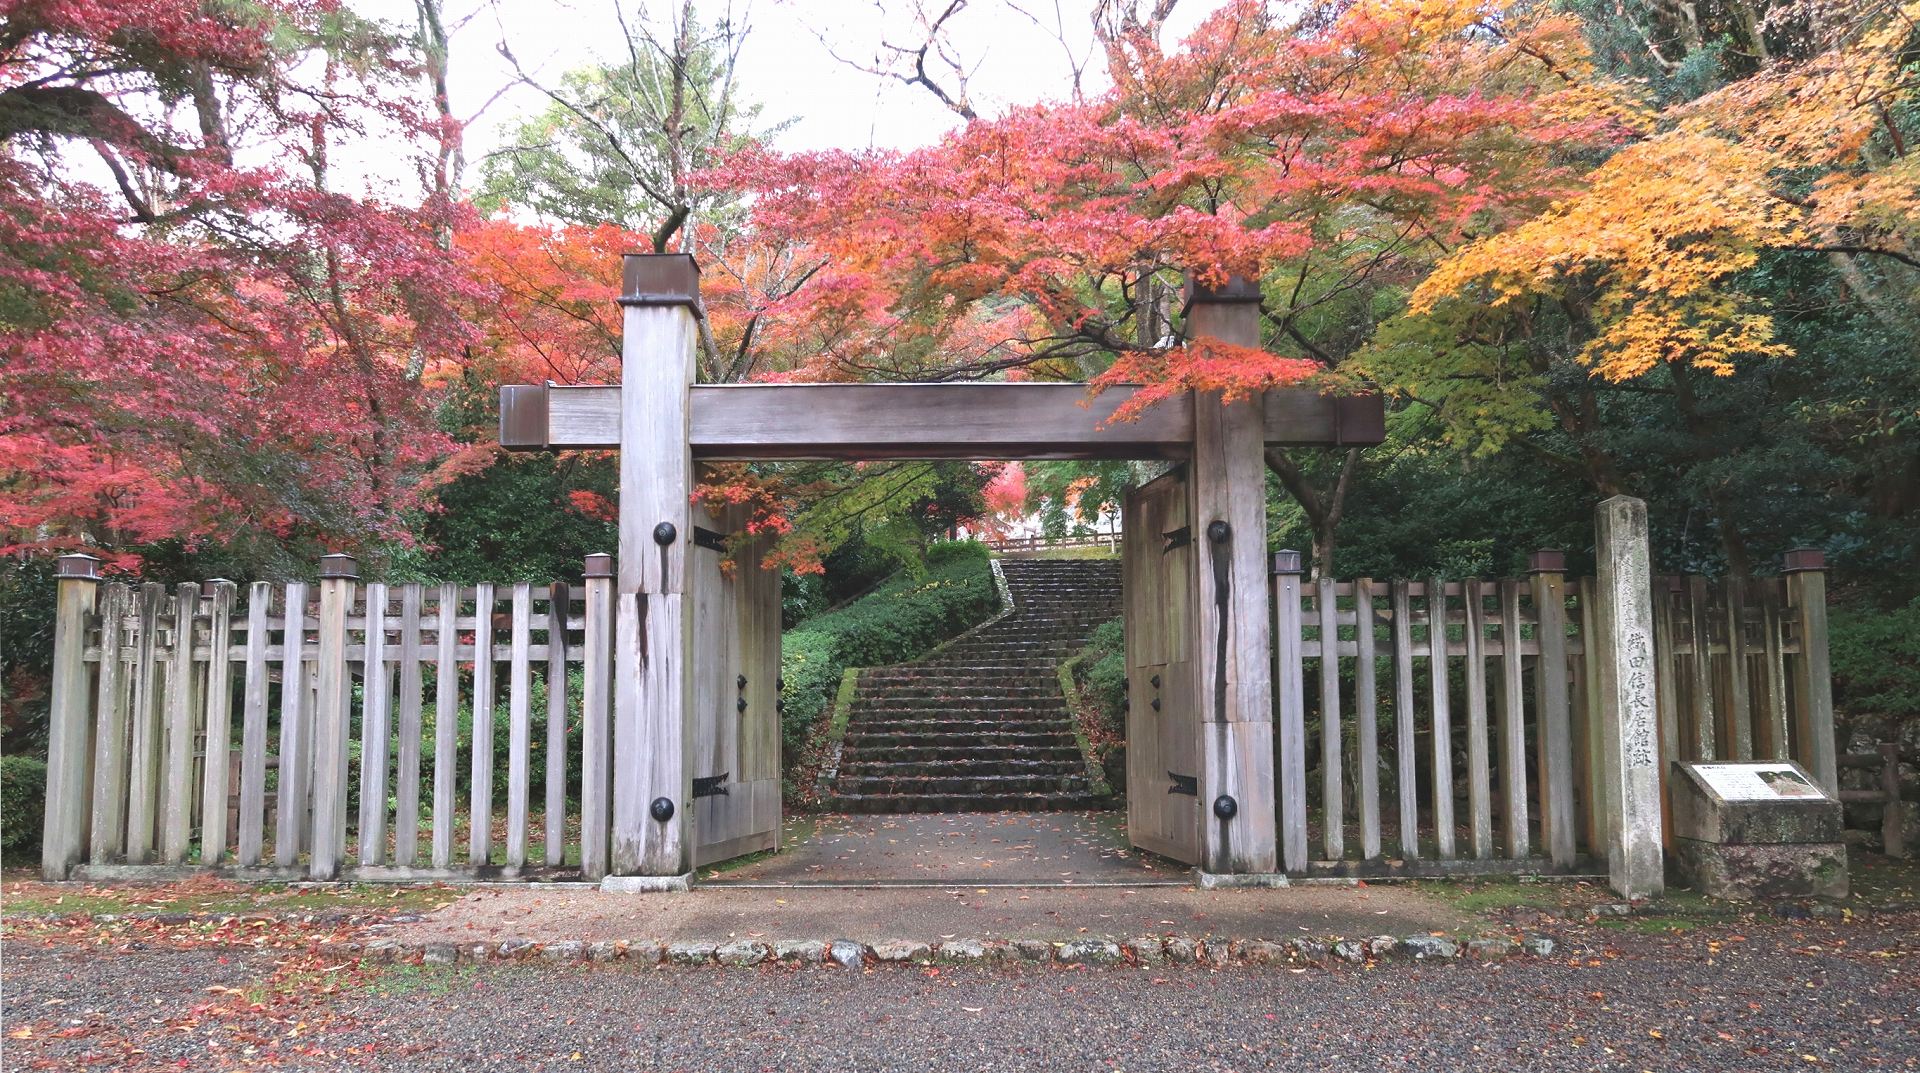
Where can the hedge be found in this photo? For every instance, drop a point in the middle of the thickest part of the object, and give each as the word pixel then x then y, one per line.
pixel 900 620
pixel 23 804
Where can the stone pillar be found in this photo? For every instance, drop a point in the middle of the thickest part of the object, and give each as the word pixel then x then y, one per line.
pixel 652 767
pixel 1233 651
pixel 69 717
pixel 1630 748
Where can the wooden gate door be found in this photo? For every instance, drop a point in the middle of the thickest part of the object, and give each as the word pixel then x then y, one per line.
pixel 735 665
pixel 1163 718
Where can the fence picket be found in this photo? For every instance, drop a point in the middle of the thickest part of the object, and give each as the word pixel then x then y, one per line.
pixel 219 703
pixel 108 823
pixel 1513 724
pixel 291 798
pixel 406 786
pixel 144 743
pixel 1442 744
pixel 332 684
pixel 1773 736
pixel 1366 718
pixel 1288 672
pixel 1332 794
pixel 1479 767
pixel 376 730
pixel 480 800
pixel 446 711
pixel 519 725
pixel 1700 738
pixel 176 785
pixel 558 604
pixel 595 710
pixel 1403 728
pixel 1738 736
pixel 253 730
pixel 1555 737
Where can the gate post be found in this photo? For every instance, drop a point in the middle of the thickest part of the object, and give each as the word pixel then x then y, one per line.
pixel 339 575
pixel 652 770
pixel 70 717
pixel 1806 572
pixel 1630 748
pixel 1233 653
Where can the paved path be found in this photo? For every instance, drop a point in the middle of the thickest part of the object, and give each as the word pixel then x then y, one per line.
pixel 1764 996
pixel 964 847
pixel 930 913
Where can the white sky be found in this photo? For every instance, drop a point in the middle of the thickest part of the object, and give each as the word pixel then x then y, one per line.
pixel 784 65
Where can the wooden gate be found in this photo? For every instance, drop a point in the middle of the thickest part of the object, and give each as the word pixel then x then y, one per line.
pixel 736 667
pixel 1163 720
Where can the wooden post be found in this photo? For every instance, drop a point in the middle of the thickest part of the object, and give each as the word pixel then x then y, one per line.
pixel 109 795
pixel 652 770
pixel 69 716
pixel 1288 675
pixel 1365 719
pixel 1555 738
pixel 1630 749
pixel 1479 765
pixel 1513 730
pixel 406 784
pixel 176 786
pixel 219 700
pixel 1332 789
pixel 1233 652
pixel 446 714
pixel 1806 571
pixel 480 766
pixel 143 744
pixel 1404 746
pixel 1893 811
pixel 1441 745
pixel 559 604
pixel 290 801
pixel 338 576
pixel 376 728
pixel 253 730
pixel 595 709
pixel 519 725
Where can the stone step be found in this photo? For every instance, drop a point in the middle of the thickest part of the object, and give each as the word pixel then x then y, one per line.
pixel 979 728
pixel 885 751
pixel 853 771
pixel 897 803
pixel 972 739
pixel 939 785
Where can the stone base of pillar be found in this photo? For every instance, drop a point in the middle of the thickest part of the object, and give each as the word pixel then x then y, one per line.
pixel 647 884
pixel 1217 881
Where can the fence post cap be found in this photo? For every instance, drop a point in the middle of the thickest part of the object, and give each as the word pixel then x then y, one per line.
pixel 1288 561
pixel 1547 561
pixel 599 564
pixel 1799 559
pixel 77 567
pixel 339 565
pixel 212 585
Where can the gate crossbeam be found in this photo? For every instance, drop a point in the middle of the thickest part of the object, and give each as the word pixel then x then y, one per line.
pixel 854 422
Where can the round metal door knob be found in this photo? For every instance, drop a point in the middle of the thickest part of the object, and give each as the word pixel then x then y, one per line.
pixel 661 809
pixel 1226 807
pixel 665 533
pixel 1218 531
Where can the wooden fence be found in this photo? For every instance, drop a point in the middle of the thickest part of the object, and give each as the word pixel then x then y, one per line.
pixel 1494 762
pixel 1110 541
pixel 236 728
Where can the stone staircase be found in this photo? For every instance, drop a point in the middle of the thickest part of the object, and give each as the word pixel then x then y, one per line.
pixel 980 725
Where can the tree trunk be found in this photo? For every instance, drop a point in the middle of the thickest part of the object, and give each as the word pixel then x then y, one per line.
pixel 1323 508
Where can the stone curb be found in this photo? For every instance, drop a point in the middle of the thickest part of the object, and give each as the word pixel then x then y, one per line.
pixel 1143 952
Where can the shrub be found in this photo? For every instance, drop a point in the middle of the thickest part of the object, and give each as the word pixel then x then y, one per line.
pixel 898 621
pixel 1876 666
pixel 23 805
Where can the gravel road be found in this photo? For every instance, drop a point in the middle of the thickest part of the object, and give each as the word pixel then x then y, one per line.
pixel 1763 996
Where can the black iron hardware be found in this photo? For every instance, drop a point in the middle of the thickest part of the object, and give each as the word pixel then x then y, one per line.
pixel 1218 531
pixel 707 538
pixel 740 681
pixel 1184 784
pixel 1154 681
pixel 711 786
pixel 1156 704
pixel 664 534
pixel 1225 807
pixel 1179 538
pixel 740 705
pixel 1126 683
pixel 661 809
